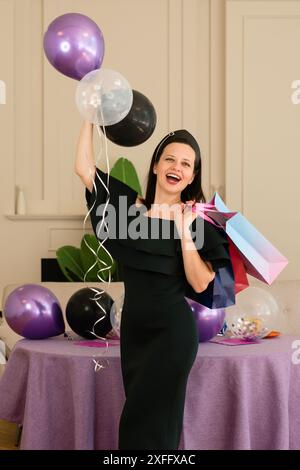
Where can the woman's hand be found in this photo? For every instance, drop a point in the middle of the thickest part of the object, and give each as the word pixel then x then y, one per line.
pixel 198 272
pixel 184 216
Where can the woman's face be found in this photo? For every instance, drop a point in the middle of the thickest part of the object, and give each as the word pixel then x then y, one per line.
pixel 175 168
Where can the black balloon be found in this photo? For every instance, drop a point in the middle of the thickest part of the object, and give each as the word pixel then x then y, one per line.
pixel 137 126
pixel 83 313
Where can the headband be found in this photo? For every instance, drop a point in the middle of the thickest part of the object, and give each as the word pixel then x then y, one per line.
pixel 181 136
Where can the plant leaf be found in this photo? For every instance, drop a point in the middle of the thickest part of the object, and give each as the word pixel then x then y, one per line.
pixel 124 171
pixel 69 260
pixel 88 259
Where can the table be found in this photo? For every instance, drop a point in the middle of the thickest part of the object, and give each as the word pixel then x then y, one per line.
pixel 50 387
pixel 238 397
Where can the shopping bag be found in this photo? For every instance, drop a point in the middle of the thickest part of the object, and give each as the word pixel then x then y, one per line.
pixel 239 270
pixel 220 292
pixel 260 258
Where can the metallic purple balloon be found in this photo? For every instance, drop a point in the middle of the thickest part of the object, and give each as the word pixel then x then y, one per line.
pixel 209 321
pixel 34 312
pixel 74 45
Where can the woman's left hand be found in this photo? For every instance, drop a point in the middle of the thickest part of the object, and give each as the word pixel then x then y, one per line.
pixel 184 218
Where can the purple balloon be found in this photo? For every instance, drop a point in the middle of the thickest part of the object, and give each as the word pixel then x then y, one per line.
pixel 34 312
pixel 74 45
pixel 209 321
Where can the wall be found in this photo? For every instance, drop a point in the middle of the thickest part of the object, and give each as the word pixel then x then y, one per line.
pixel 262 123
pixel 163 47
pixel 173 51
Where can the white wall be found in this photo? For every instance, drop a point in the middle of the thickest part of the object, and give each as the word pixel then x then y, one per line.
pixel 173 51
pixel 262 123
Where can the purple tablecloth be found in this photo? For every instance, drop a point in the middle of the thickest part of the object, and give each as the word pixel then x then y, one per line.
pixel 238 397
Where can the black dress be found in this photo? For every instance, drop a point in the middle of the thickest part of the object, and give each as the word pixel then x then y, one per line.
pixel 159 340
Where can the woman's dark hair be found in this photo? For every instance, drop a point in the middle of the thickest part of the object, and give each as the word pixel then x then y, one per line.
pixel 193 190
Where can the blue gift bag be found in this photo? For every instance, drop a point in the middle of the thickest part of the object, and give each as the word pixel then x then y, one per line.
pixel 220 293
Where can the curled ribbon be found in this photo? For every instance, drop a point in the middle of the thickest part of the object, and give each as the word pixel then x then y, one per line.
pixel 103 265
pixel 99 366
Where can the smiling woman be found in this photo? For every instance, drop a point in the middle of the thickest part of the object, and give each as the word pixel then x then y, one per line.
pixel 158 333
pixel 175 170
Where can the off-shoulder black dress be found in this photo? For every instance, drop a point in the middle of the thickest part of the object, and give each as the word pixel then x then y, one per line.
pixel 159 340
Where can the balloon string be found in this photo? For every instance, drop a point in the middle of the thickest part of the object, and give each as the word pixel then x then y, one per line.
pixel 99 366
pixel 98 261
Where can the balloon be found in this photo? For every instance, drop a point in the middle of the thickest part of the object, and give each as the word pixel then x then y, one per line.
pixel 74 45
pixel 254 315
pixel 104 97
pixel 34 312
pixel 116 314
pixel 85 315
pixel 208 321
pixel 137 126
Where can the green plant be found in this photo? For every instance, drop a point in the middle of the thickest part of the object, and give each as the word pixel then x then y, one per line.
pixel 75 262
pixel 124 171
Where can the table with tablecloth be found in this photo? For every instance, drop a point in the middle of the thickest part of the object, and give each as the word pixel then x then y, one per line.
pixel 68 396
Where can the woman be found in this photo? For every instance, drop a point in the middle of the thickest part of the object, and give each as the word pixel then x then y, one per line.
pixel 159 340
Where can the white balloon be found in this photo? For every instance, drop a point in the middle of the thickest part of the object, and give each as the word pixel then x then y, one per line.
pixel 116 314
pixel 254 315
pixel 104 97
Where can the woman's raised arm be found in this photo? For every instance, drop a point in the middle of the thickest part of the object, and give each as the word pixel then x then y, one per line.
pixel 84 163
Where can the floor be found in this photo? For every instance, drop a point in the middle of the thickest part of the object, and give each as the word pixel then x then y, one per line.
pixel 8 435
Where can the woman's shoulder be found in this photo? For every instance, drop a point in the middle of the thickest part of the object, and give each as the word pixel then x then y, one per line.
pixel 104 183
pixel 115 183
